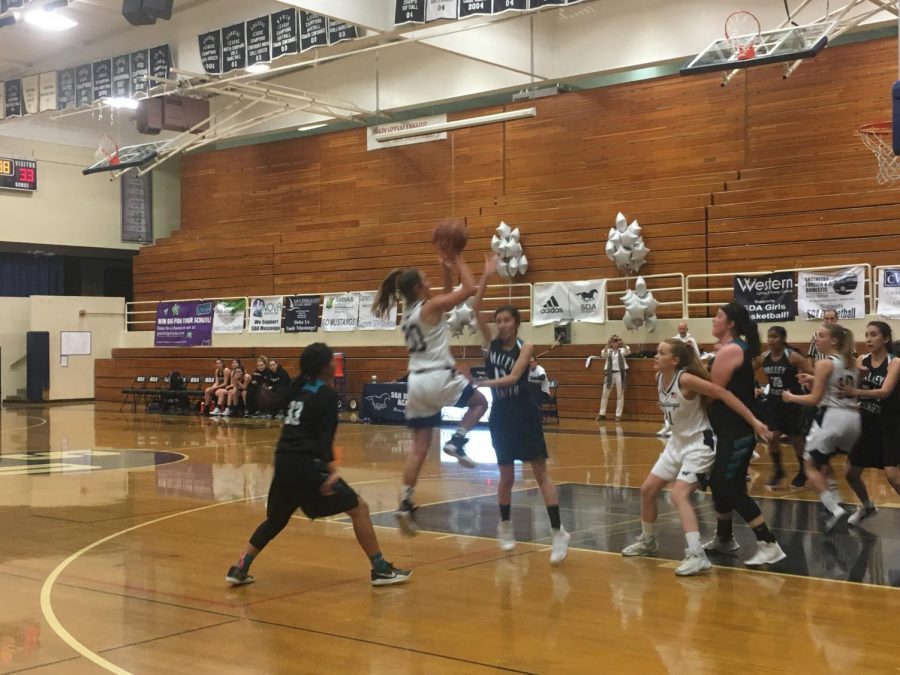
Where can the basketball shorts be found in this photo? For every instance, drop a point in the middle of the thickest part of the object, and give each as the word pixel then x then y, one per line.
pixel 517 432
pixel 296 484
pixel 834 430
pixel 879 443
pixel 786 418
pixel 689 459
pixel 428 392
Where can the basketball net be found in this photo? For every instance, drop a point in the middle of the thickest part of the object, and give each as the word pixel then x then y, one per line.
pixel 878 138
pixel 742 30
pixel 108 149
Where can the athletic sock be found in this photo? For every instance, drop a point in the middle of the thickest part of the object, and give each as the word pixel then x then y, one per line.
pixel 553 512
pixel 763 533
pixel 406 493
pixel 245 561
pixel 830 501
pixel 461 431
pixel 379 564
pixel 724 529
pixel 693 540
pixel 504 511
pixel 648 529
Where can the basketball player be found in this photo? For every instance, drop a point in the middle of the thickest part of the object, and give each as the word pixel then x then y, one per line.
pixel 306 476
pixel 433 380
pixel 829 316
pixel 837 426
pixel 878 446
pixel 516 429
pixel 781 364
pixel 684 389
pixel 732 369
pixel 683 335
pixel 222 376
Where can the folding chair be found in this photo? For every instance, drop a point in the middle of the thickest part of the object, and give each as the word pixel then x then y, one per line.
pixel 136 388
pixel 549 407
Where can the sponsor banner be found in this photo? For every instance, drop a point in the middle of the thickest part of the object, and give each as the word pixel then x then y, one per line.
pixel 841 290
pixel 372 144
pixel 301 313
pixel 340 312
pixel 183 324
pixel 384 402
pixel 767 297
pixel 586 300
pixel 367 320
pixel 229 316
pixel 889 293
pixel 265 314
pixel 549 303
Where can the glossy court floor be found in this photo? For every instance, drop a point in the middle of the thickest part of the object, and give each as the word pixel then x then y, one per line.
pixel 118 529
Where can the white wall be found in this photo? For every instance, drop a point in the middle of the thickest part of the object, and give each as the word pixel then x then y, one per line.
pixel 16 315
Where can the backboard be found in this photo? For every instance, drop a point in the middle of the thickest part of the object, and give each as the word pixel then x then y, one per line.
pixel 128 157
pixel 773 46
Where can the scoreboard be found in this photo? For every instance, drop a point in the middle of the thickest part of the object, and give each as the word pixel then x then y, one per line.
pixel 18 174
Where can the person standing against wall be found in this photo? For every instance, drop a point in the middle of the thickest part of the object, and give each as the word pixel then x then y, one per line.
pixel 615 371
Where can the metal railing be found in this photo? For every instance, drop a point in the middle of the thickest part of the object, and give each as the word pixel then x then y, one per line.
pixel 669 295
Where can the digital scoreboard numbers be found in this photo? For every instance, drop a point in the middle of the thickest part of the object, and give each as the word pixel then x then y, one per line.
pixel 18 174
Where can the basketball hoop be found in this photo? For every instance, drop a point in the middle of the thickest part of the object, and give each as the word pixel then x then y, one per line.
pixel 878 138
pixel 742 30
pixel 108 149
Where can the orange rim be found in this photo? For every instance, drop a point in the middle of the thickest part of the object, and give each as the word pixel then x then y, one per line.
pixel 877 128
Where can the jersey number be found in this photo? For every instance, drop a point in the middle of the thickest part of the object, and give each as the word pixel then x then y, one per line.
pixel 293 413
pixel 415 341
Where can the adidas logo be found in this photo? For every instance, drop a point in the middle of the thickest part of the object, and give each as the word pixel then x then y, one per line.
pixel 551 306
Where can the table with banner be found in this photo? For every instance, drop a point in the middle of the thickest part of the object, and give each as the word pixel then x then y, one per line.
pixel 386 403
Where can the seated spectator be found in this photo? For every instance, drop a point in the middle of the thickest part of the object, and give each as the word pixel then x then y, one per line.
pixel 538 376
pixel 223 394
pixel 277 386
pixel 237 397
pixel 222 376
pixel 258 380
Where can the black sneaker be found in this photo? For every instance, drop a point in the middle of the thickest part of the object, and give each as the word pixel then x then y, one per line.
pixel 799 481
pixel 455 447
pixel 390 576
pixel 406 518
pixel 238 577
pixel 775 480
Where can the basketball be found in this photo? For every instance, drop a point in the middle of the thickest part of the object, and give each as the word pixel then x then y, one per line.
pixel 450 236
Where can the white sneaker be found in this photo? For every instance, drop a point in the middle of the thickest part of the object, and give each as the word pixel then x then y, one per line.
pixel 695 562
pixel 216 412
pixel 643 546
pixel 755 456
pixel 862 512
pixel 767 553
pixel 716 545
pixel 505 537
pixel 560 546
pixel 227 412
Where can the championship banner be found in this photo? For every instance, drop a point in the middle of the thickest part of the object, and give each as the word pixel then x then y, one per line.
pixel 183 324
pixel 161 61
pixel 549 303
pixel 339 31
pixel 102 71
pixel 889 293
pixel 544 3
pixel 340 312
pixel 47 91
pixel 65 89
pixel 285 33
pixel 211 51
pixel 313 31
pixel 265 314
pixel 367 320
pixel 229 316
pixel 84 85
pixel 440 9
pixel 234 48
pixel 2 101
pixel 121 76
pixel 301 313
pixel 586 300
pixel 841 290
pixel 140 69
pixel 13 95
pixel 767 297
pixel 409 11
pixel 419 122
pixel 259 42
pixel 30 94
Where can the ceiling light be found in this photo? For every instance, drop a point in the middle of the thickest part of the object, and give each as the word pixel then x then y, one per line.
pixel 257 68
pixel 121 102
pixel 310 127
pixel 49 20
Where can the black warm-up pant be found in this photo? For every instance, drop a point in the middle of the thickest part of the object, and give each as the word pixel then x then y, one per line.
pixel 729 476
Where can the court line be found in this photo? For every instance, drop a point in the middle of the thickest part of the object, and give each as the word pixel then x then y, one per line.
pixel 41 422
pixel 47 604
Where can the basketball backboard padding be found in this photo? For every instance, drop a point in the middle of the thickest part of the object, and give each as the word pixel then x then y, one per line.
pixel 129 157
pixel 773 46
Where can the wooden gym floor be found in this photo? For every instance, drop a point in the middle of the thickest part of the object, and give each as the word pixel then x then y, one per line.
pixel 118 530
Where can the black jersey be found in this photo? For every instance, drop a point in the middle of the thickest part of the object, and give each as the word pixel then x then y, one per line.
pixel 499 363
pixel 723 419
pixel 873 379
pixel 311 420
pixel 782 374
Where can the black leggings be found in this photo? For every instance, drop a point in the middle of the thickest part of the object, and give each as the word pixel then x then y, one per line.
pixel 729 476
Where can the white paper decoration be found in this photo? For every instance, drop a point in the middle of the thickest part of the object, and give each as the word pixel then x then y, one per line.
pixel 511 258
pixel 625 245
pixel 640 307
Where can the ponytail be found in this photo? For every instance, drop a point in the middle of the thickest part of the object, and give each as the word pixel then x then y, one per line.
pixel 399 282
pixel 844 338
pixel 688 361
pixel 744 326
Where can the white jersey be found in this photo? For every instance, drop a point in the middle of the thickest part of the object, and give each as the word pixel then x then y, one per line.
pixel 686 416
pixel 840 376
pixel 429 346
